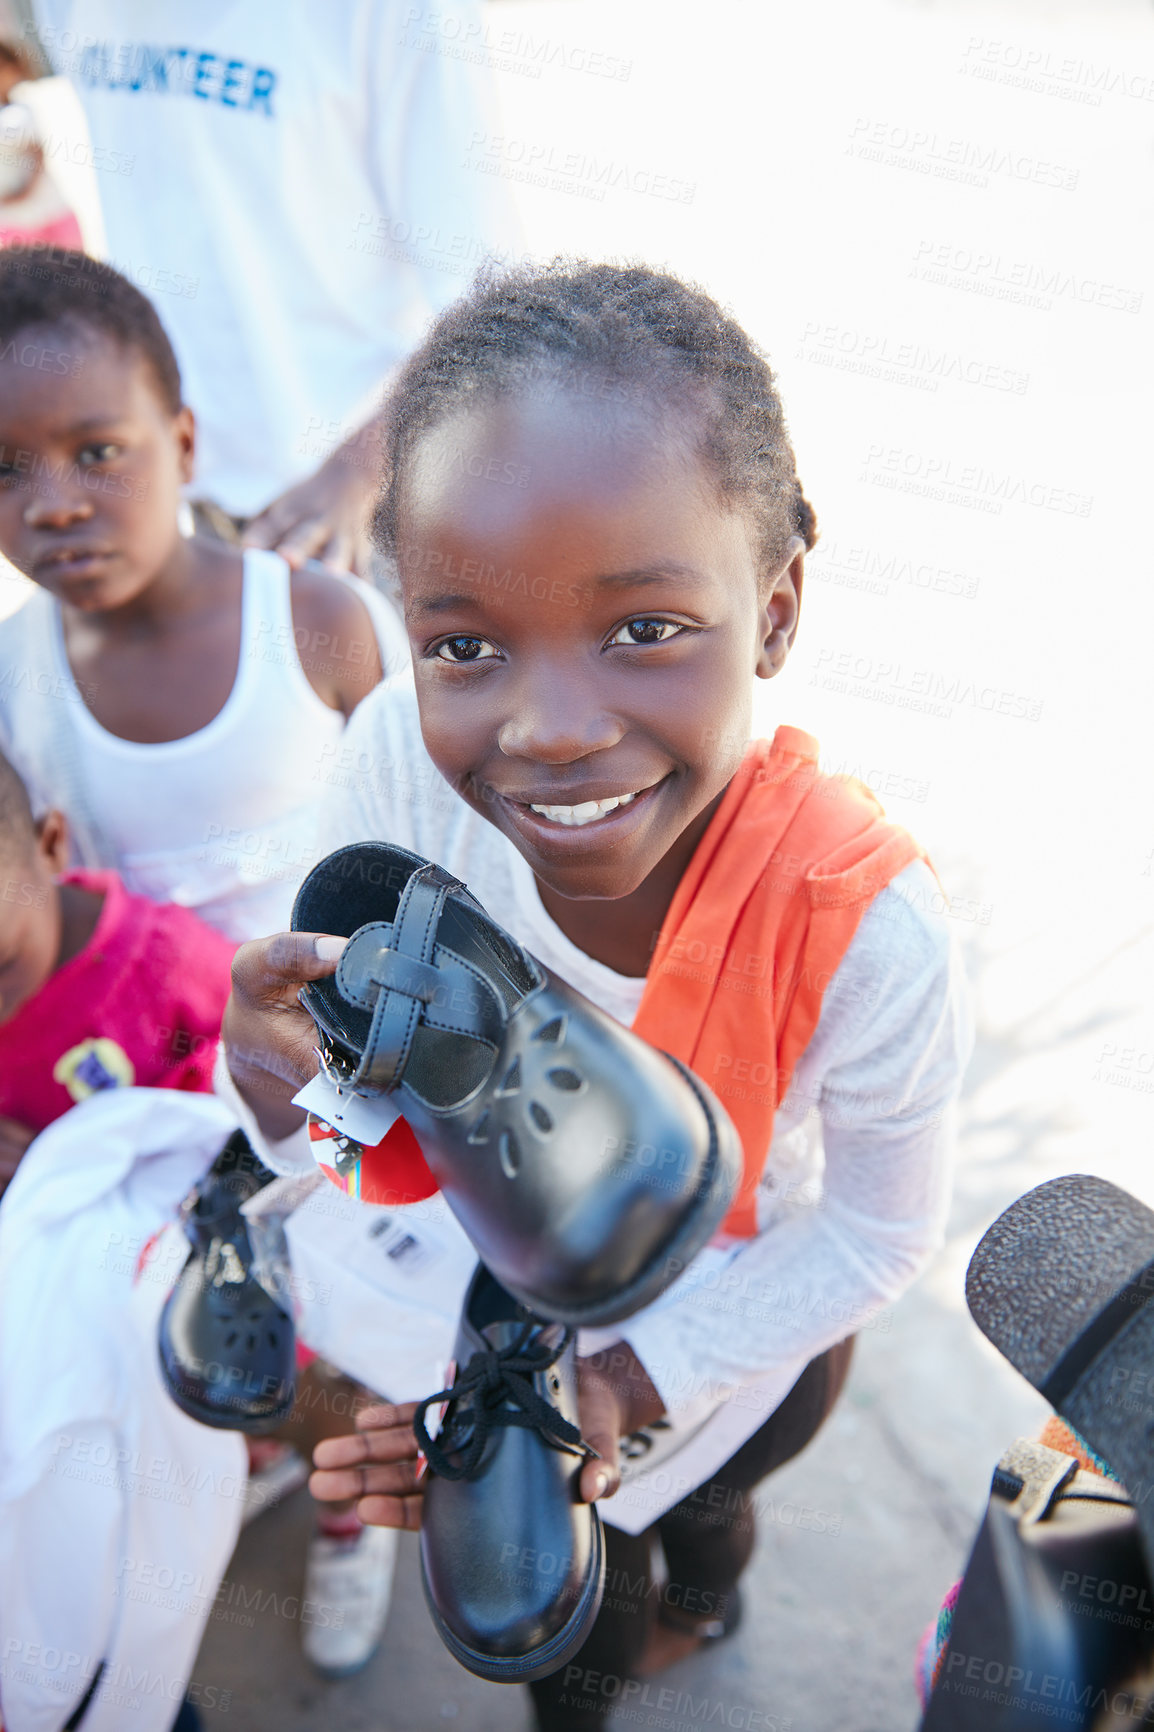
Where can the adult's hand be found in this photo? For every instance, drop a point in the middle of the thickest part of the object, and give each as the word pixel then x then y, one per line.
pixel 269 1040
pixel 323 517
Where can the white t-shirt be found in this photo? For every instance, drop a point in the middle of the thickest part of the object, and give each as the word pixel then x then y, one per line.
pixel 289 184
pixel 855 1188
pixel 224 820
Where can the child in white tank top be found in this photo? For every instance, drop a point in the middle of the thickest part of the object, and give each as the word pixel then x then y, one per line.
pixel 181 701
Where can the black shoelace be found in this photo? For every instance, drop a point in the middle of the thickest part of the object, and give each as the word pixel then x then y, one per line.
pixel 496 1378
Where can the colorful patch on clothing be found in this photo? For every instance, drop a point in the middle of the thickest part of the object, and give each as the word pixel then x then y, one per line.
pixel 392 1171
pixel 97 1063
pixel 337 1155
pixel 933 1645
pixel 1056 1434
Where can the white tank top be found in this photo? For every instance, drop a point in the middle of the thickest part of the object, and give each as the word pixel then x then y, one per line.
pixel 222 821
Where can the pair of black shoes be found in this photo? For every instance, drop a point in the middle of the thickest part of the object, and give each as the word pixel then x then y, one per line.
pixel 586 1168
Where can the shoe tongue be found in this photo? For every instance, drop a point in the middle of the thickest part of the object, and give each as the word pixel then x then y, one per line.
pixel 508 1330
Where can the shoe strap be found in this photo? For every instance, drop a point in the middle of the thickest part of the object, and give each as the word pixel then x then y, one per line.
pixel 498 1382
pixel 398 971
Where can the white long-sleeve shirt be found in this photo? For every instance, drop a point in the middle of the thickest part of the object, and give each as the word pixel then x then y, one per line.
pixel 855 1186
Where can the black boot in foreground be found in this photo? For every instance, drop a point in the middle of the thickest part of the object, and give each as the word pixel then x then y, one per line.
pixel 512 1561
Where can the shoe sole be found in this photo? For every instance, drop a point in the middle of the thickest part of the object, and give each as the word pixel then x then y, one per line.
pixel 716 1191
pixel 218 1421
pixel 541 1662
pixel 1092 1372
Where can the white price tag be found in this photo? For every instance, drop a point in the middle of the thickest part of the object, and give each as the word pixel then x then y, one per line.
pixel 366 1121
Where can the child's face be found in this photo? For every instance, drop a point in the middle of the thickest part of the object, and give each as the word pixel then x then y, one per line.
pixel 30 916
pixel 91 466
pixel 586 621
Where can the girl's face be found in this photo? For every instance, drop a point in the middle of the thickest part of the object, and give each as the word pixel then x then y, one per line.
pixel 586 622
pixel 91 466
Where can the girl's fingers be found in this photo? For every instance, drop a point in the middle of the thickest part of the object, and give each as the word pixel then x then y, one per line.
pixel 339 1484
pixel 364 1448
pixel 391 1512
pixel 599 1478
pixel 385 1414
pixel 270 971
pixel 599 1411
pixel 377 1465
pixel 266 1033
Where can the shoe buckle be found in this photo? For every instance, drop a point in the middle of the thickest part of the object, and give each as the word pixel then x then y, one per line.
pixel 331 1069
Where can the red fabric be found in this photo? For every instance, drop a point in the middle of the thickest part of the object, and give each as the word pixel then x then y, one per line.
pixel 391 1171
pixel 760 921
pixel 153 980
pixel 394 1170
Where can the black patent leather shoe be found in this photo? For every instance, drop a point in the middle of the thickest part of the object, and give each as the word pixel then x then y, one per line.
pixel 513 1564
pixel 586 1167
pixel 227 1348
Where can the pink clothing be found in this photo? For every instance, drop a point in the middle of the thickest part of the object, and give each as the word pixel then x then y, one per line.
pixel 58 231
pixel 142 1003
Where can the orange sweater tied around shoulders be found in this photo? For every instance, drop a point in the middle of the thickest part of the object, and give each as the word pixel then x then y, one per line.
pixel 767 909
pixel 757 928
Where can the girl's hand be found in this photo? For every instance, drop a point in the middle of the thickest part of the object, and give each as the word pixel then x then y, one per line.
pixel 14 1141
pixel 377 1465
pixel 269 1040
pixel 615 1396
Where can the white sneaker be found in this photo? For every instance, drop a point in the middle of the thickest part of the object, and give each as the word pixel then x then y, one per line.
pixel 346 1600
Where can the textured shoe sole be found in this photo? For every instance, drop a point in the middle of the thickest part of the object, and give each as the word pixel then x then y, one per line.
pixel 1062 1284
pixel 213 1416
pixel 541 1662
pixel 715 1193
pixel 218 1421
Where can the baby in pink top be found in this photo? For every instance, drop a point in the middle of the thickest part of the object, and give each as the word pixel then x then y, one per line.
pixel 98 989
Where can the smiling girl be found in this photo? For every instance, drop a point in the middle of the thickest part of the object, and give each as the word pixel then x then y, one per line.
pixel 575 746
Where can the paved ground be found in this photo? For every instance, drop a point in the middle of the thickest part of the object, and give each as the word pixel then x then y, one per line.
pixel 931 214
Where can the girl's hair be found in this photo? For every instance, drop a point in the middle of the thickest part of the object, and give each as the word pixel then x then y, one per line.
pixel 43 285
pixel 607 332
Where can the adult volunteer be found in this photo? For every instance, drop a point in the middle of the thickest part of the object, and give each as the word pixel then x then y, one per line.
pixel 290 185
